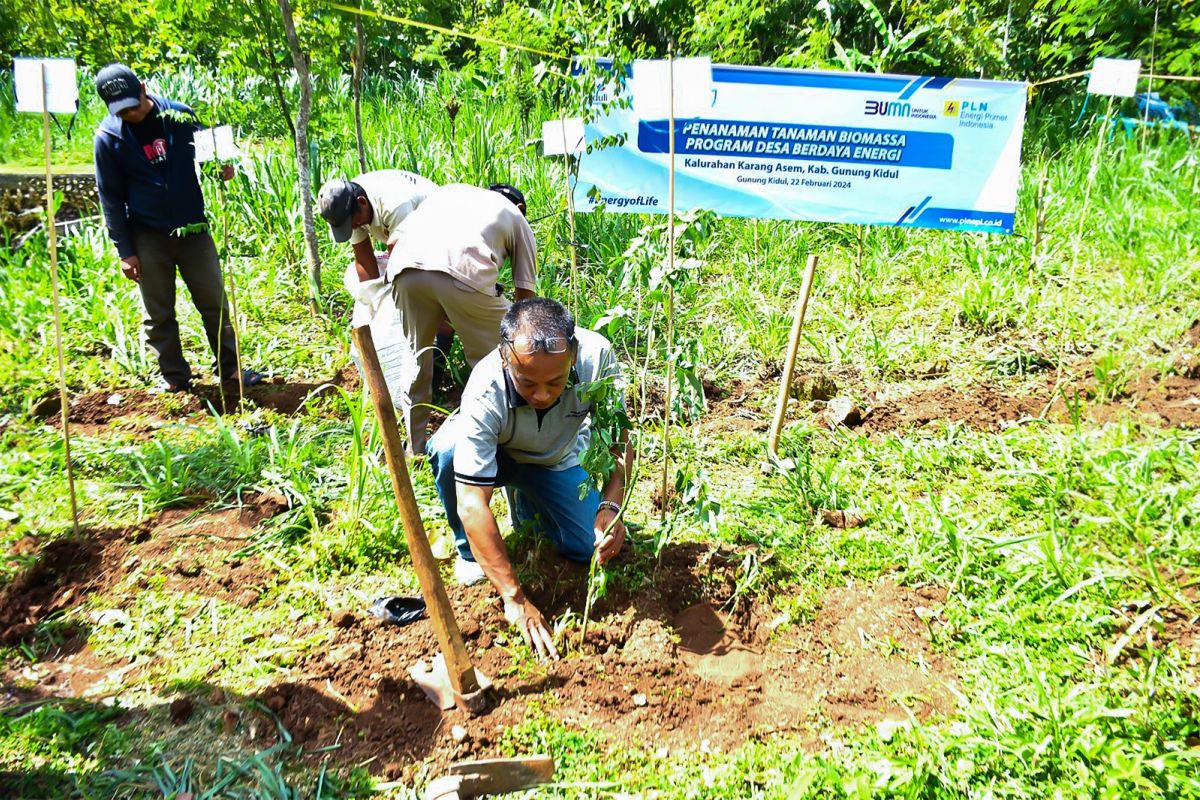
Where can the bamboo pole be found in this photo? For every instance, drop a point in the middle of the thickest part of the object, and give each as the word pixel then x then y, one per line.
pixel 233 322
pixel 789 368
pixel 670 377
pixel 1150 85
pixel 52 231
pixel 463 680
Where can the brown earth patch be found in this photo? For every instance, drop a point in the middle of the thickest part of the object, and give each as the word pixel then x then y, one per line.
pixel 1140 629
pixel 984 407
pixel 1191 337
pixel 667 665
pixel 196 548
pixel 1172 401
pixel 139 409
pixel 731 408
pixel 199 550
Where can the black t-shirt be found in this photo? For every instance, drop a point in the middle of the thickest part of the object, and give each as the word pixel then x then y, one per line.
pixel 152 137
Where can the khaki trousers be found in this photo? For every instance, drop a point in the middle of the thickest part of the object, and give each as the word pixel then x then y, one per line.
pixel 422 298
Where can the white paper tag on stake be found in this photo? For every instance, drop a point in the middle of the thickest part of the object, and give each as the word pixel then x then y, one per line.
pixel 227 150
pixel 556 143
pixel 206 145
pixel 215 143
pixel 1114 76
pixel 63 96
pixel 652 90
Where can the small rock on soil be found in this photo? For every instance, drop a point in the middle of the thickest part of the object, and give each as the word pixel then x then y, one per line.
pixel 181 710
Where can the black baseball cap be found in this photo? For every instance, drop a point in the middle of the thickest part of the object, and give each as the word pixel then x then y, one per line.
pixel 336 203
pixel 119 87
pixel 513 194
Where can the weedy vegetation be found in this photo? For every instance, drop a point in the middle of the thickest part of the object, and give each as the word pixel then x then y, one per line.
pixel 1066 543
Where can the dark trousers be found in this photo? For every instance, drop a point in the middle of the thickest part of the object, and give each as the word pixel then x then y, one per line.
pixel 195 256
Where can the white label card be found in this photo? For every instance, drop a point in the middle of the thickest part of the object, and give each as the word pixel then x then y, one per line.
pixel 1116 77
pixel 215 143
pixel 652 87
pixel 63 90
pixel 563 137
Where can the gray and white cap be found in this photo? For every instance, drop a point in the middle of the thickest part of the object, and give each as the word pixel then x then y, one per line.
pixel 119 88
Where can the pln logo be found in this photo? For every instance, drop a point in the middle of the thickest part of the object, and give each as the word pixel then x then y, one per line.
pixel 950 109
pixel 887 108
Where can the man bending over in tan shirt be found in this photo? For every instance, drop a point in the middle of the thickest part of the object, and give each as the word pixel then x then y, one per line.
pixel 446 262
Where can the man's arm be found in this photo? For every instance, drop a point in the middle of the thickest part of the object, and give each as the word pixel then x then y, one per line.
pixel 488 548
pixel 365 262
pixel 608 527
pixel 110 185
pixel 524 259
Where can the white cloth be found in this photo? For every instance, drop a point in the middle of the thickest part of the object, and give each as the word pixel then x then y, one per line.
pixel 373 306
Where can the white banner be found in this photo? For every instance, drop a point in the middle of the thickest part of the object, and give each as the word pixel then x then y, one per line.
pixel 914 151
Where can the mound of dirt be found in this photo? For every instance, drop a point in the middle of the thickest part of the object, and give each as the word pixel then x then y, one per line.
pixel 984 407
pixel 663 667
pixel 1172 401
pixel 1191 337
pixel 56 577
pixel 140 409
pixel 193 547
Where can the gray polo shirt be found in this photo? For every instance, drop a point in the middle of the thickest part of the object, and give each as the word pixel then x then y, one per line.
pixel 493 415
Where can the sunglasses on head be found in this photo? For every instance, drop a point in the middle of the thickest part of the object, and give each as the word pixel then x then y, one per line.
pixel 528 345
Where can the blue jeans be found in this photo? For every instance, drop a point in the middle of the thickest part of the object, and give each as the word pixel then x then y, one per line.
pixel 547 497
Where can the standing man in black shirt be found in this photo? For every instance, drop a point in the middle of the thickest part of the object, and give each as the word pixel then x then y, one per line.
pixel 154 210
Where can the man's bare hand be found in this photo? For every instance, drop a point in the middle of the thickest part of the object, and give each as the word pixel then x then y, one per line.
pixel 610 534
pixel 524 614
pixel 131 267
pixel 227 172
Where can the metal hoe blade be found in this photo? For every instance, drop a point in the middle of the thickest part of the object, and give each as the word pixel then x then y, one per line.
pixel 434 680
pixel 468 779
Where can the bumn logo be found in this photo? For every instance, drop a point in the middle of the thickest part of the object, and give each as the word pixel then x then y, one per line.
pixel 974 107
pixel 950 109
pixel 887 108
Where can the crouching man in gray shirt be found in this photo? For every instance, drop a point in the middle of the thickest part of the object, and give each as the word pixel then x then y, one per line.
pixel 523 423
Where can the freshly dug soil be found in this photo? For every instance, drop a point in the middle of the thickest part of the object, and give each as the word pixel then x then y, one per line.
pixel 1172 402
pixel 193 548
pixel 665 666
pixel 139 408
pixel 984 407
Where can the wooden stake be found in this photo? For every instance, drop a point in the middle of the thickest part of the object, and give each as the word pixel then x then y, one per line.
pixel 52 231
pixel 1039 220
pixel 1150 85
pixel 789 368
pixel 233 323
pixel 662 515
pixel 458 663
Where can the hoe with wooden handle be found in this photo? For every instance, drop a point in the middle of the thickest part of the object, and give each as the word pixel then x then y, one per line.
pixel 451 679
pixel 468 779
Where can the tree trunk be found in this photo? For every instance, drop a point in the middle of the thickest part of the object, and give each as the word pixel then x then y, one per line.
pixel 300 62
pixel 272 67
pixel 359 60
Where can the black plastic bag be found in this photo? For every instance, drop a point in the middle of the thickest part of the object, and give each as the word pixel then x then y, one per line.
pixel 398 610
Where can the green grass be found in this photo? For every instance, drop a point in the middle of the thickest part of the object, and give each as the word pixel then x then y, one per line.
pixel 1050 538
